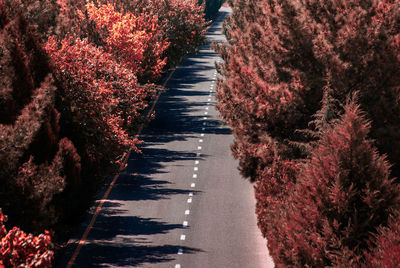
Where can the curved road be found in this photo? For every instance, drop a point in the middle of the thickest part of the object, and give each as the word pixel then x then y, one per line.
pixel 181 203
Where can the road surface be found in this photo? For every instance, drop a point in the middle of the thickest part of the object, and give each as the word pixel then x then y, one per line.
pixel 181 203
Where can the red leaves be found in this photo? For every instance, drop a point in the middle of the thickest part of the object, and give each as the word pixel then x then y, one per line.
pixel 20 249
pixel 102 93
pixel 132 39
pixel 180 22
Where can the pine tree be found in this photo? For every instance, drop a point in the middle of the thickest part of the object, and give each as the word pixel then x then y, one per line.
pixel 343 196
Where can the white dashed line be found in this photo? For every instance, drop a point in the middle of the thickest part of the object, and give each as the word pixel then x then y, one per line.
pixel 189 200
pixel 187 212
pixel 200 140
pixel 202 134
pixel 183 237
pixel 206 108
pixel 205 117
pixel 209 100
pixel 194 176
pixel 180 251
pixel 177 266
pixel 185 223
pixel 198 147
pixel 204 123
pixel 196 162
pixel 195 168
pixel 203 128
pixel 193 185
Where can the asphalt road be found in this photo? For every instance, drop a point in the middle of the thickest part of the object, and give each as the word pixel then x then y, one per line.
pixel 181 203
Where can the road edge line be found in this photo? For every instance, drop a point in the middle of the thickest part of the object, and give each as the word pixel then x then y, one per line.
pixel 82 241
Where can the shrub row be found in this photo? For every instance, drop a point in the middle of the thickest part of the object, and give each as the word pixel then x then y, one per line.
pixel 310 90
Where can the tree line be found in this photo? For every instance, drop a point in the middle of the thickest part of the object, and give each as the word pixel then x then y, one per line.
pixel 311 92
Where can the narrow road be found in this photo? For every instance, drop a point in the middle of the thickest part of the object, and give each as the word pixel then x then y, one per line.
pixel 181 203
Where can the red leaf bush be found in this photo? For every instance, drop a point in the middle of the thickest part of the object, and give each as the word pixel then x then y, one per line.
pixel 18 249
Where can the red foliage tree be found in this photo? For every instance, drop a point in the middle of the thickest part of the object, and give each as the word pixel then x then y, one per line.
pixel 102 95
pixel 342 197
pixel 135 40
pixel 387 245
pixel 181 22
pixel 281 55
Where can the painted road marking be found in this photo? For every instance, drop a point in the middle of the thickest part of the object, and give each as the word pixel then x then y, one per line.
pixel 198 147
pixel 206 108
pixel 196 162
pixel 205 124
pixel 185 223
pixel 198 154
pixel 194 176
pixel 195 168
pixel 193 185
pixel 183 237
pixel 187 212
pixel 82 241
pixel 200 140
pixel 209 100
pixel 202 134
pixel 180 251
pixel 189 200
pixel 177 266
pixel 203 128
pixel 205 117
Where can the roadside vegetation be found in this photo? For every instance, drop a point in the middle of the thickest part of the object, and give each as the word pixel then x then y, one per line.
pixel 311 92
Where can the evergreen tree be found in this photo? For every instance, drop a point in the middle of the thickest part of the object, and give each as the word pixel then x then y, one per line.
pixel 279 57
pixel 343 196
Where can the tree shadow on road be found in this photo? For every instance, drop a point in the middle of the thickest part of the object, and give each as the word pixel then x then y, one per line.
pixel 139 187
pixel 106 254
